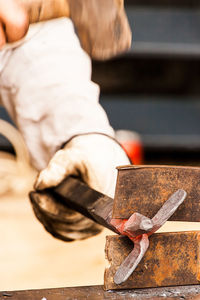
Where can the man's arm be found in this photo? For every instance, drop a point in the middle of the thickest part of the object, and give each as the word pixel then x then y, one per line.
pixel 47 89
pixel 14 21
pixel 102 26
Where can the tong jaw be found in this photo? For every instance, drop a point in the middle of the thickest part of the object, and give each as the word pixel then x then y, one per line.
pixel 138 228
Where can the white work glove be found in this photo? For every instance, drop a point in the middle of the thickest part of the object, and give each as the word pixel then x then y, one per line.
pixel 93 158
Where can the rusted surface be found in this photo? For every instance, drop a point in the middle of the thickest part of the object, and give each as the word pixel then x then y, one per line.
pixel 137 228
pixel 144 189
pixel 172 259
pixel 97 293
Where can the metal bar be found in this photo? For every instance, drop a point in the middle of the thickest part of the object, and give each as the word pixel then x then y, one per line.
pixel 130 263
pixel 158 184
pixel 80 197
pixel 172 259
pixel 98 293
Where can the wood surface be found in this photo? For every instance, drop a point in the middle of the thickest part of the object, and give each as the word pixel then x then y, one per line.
pixel 97 293
pixel 171 259
pixel 144 189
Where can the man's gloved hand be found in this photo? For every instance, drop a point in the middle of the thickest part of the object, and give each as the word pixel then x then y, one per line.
pixel 14 21
pixel 93 158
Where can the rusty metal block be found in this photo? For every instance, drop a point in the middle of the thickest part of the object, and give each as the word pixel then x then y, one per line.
pixel 172 259
pixel 97 293
pixel 144 189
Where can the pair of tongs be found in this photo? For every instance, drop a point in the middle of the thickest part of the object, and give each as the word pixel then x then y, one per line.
pixel 98 207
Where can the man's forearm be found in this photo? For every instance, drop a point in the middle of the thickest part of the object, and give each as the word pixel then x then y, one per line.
pixel 13 21
pixel 102 26
pixel 42 10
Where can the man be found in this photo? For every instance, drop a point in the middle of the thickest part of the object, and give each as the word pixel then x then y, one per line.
pixel 45 85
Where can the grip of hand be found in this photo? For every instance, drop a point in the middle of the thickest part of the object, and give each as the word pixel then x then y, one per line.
pixel 41 10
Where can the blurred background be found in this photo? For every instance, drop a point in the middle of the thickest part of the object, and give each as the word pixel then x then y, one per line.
pixel 153 90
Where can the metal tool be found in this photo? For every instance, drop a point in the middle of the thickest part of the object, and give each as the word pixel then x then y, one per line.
pixel 138 228
pixel 98 207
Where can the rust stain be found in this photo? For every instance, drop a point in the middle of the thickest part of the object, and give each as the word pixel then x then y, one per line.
pixel 166 268
pixel 198 256
pixel 145 189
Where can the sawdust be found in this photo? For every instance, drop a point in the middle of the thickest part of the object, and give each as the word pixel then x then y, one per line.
pixel 31 258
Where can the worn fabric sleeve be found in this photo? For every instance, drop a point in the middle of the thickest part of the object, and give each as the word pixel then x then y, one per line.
pixel 46 86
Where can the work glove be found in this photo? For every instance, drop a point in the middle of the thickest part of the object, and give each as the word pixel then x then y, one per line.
pixel 91 157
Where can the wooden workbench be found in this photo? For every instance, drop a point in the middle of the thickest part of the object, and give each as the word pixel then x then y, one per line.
pixel 97 293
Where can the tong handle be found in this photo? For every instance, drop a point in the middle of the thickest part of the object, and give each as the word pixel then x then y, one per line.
pixel 89 202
